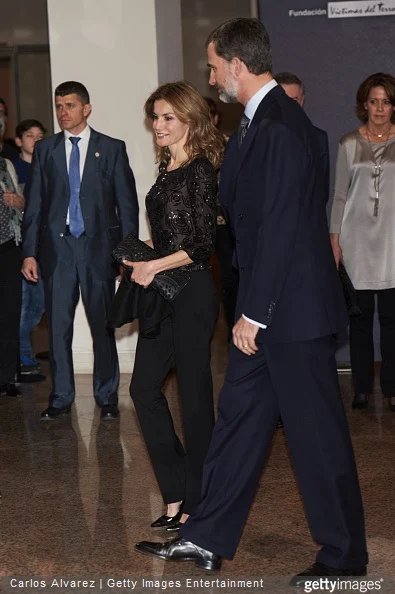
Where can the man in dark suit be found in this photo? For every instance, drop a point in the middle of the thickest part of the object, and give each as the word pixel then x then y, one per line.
pixel 295 89
pixel 289 306
pixel 80 201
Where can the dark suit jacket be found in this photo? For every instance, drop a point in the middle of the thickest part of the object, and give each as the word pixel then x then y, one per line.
pixel 108 201
pixel 271 191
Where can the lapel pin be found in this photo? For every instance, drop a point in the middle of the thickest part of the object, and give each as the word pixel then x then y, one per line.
pixel 97 154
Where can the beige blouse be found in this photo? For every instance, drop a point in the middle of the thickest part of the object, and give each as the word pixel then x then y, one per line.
pixel 367 241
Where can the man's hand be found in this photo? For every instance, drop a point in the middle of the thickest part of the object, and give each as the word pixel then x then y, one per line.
pixel 30 269
pixel 244 334
pixel 142 272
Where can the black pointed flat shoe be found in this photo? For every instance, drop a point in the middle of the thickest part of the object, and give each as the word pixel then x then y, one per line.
pixel 168 521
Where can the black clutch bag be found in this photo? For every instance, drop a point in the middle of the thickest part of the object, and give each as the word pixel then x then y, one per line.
pixel 167 283
pixel 349 292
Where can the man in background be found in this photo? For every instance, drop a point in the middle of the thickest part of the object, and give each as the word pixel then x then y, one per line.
pixel 295 89
pixel 81 201
pixel 292 85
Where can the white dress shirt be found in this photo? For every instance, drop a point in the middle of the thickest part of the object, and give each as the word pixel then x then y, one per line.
pixel 83 146
pixel 249 111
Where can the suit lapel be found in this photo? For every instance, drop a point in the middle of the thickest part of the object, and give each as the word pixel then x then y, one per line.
pixel 59 157
pixel 92 158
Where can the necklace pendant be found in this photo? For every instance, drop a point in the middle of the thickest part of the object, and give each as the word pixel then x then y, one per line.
pixel 376 207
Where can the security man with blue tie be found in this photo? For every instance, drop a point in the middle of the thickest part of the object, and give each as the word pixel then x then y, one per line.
pixel 81 201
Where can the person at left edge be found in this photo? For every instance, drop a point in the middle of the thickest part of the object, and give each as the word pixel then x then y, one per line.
pixel 27 133
pixel 80 201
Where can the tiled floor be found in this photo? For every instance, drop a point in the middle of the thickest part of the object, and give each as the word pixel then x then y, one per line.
pixel 77 494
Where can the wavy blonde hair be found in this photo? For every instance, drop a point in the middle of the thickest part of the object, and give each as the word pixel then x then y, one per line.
pixel 190 108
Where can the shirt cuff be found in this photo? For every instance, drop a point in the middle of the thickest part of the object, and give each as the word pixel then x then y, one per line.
pixel 254 322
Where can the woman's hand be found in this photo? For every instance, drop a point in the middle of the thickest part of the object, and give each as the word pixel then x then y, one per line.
pixel 142 272
pixel 337 251
pixel 13 200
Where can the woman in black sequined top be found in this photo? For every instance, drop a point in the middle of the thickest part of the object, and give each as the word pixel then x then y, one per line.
pixel 181 208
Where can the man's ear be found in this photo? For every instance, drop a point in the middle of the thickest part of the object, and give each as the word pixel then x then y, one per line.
pixel 237 66
pixel 18 141
pixel 87 109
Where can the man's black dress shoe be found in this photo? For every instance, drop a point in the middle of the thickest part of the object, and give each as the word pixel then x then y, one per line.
pixel 10 390
pixel 51 413
pixel 179 549
pixel 168 521
pixel 360 401
pixel 109 412
pixel 321 570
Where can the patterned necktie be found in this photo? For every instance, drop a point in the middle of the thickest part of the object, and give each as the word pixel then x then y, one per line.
pixel 243 127
pixel 76 221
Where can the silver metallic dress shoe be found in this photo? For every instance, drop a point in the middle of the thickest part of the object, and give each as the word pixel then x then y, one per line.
pixel 180 549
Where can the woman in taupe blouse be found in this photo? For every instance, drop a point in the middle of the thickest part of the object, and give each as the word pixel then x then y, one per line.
pixel 363 231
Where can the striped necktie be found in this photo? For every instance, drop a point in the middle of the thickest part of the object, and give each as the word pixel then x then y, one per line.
pixel 76 221
pixel 243 127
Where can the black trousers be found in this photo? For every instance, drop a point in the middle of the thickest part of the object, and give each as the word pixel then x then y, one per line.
pixel 62 292
pixel 10 309
pixel 299 382
pixel 184 341
pixel 361 342
pixel 228 274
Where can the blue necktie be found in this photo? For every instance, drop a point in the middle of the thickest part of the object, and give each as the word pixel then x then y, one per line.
pixel 243 127
pixel 76 221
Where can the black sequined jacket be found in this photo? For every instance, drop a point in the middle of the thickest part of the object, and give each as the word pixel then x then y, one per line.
pixel 181 207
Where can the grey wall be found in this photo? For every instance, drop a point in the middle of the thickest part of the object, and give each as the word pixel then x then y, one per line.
pixel 199 18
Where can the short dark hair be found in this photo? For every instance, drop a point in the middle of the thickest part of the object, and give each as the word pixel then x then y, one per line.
pixel 25 125
pixel 246 39
pixel 5 106
pixel 287 78
pixel 374 80
pixel 72 87
pixel 213 107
